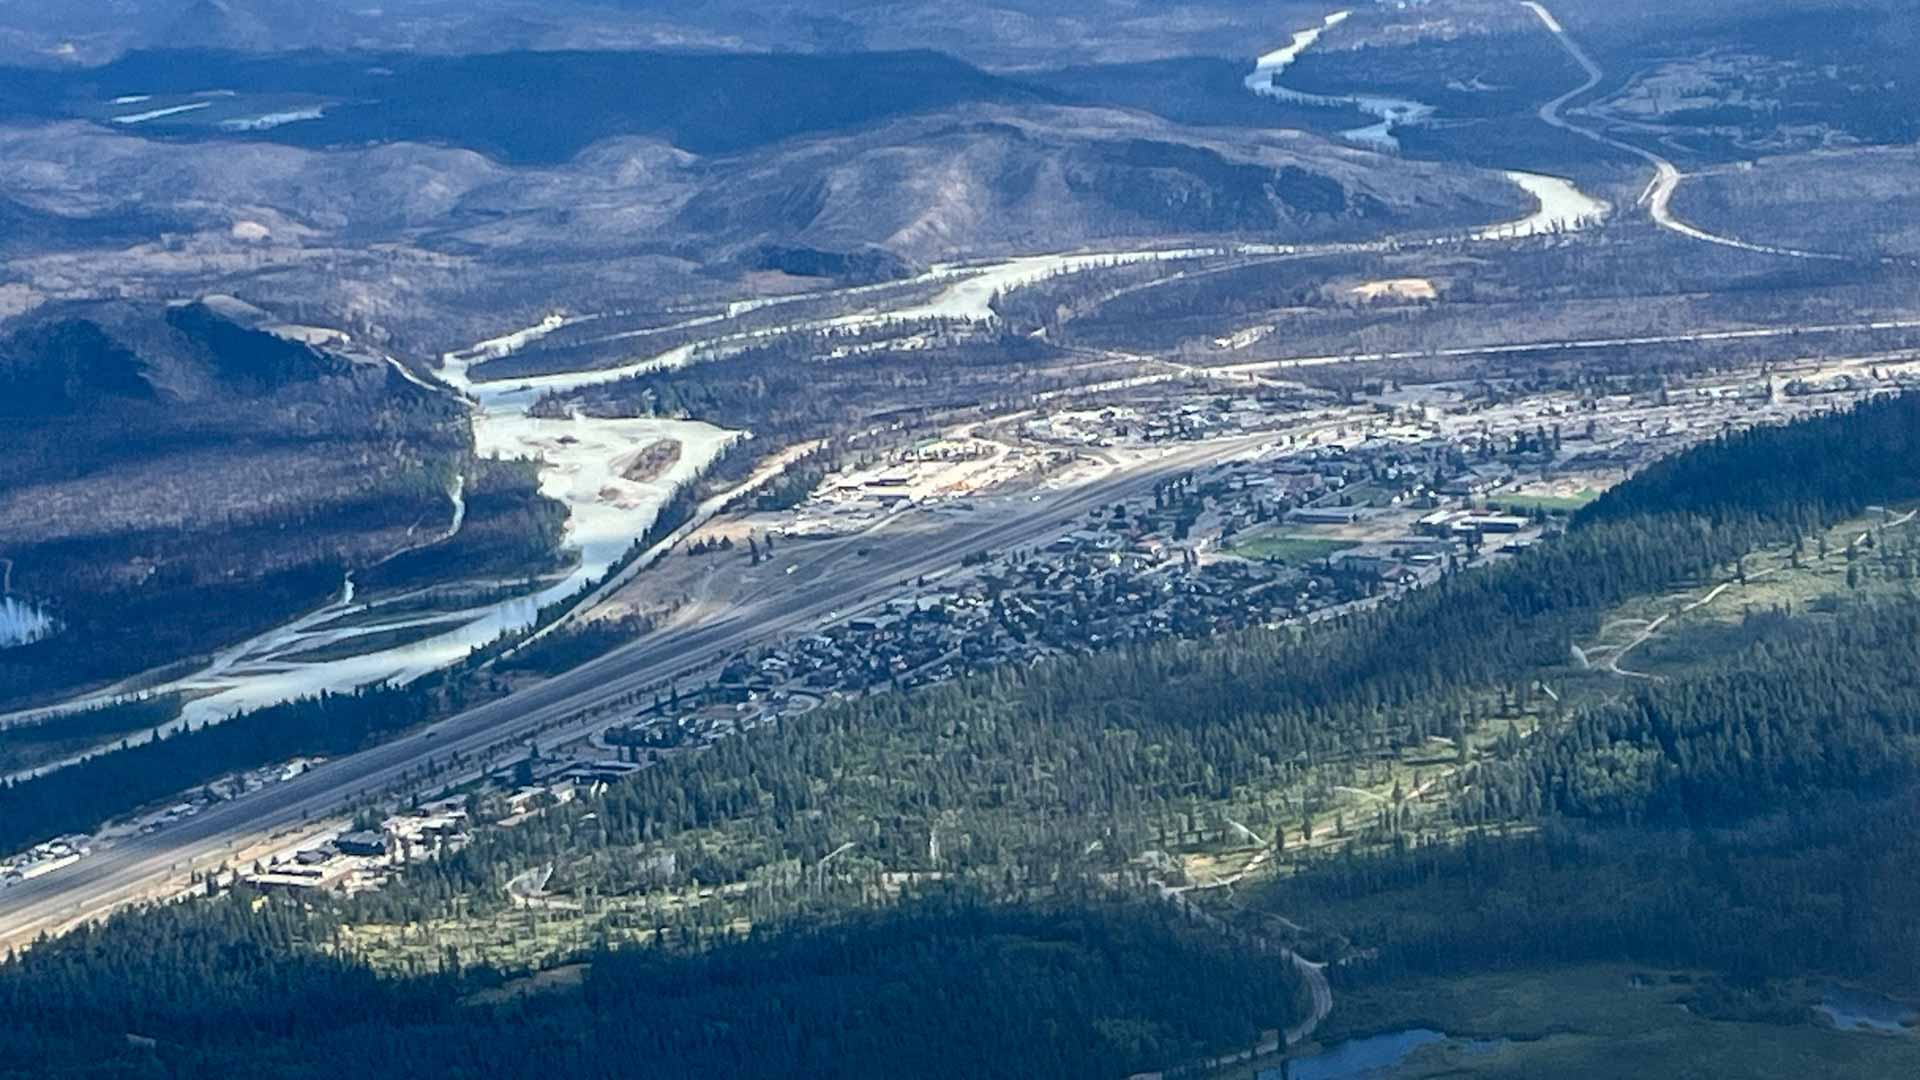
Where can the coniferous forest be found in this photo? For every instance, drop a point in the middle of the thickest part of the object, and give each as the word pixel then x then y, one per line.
pixel 991 906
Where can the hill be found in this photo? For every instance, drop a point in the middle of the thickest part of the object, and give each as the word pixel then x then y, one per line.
pixel 182 476
pixel 462 245
pixel 218 24
pixel 519 107
pixel 980 179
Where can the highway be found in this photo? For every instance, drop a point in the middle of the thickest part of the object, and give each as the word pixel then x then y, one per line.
pixel 1658 196
pixel 143 866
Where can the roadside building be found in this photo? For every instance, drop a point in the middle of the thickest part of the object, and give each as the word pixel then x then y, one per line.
pixel 366 843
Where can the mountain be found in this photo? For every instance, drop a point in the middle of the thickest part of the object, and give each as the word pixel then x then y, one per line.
pixel 522 107
pixel 72 358
pixel 986 178
pixel 61 367
pixel 178 476
pixel 461 244
pixel 218 24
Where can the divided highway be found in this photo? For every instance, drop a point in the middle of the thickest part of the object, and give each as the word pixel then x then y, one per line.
pixel 141 867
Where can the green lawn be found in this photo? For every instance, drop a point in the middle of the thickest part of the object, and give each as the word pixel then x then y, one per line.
pixel 1287 549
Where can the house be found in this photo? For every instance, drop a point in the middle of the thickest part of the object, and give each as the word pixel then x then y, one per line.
pixel 1328 515
pixel 365 843
pixel 605 771
pixel 1498 523
pixel 1478 480
pixel 288 879
pixel 1363 561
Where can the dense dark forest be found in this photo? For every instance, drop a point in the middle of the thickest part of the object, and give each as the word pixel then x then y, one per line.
pixel 25 746
pixel 1826 889
pixel 1748 817
pixel 178 478
pixel 511 530
pixel 539 107
pixel 942 986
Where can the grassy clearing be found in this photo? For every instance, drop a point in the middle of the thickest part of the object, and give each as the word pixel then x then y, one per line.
pixel 1552 504
pixel 1294 550
pixel 1695 633
pixel 1592 1021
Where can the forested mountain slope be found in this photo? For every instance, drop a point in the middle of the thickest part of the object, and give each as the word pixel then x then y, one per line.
pixel 178 477
pixel 1705 819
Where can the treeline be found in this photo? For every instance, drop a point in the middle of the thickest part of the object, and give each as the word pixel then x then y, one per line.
pixel 1035 764
pixel 1754 819
pixel 1800 715
pixel 1825 889
pixel 570 646
pixel 1031 783
pixel 799 480
pixel 1790 476
pixel 944 986
pixel 1112 300
pixel 24 746
pixel 511 530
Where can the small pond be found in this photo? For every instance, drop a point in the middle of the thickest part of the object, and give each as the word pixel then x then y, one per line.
pixel 1860 1010
pixel 1355 1059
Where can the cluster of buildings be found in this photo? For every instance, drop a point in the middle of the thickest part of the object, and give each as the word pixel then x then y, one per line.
pixel 1386 499
pixel 363 858
pixel 930 472
pixel 1186 417
pixel 44 859
pixel 1093 588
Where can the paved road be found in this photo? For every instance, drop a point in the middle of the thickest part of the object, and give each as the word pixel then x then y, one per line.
pixel 1462 352
pixel 1658 195
pixel 137 866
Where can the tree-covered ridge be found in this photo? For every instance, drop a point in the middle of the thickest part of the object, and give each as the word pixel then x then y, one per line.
pixel 942 986
pixel 181 478
pixel 1824 890
pixel 1097 759
pixel 1048 784
pixel 1797 474
pixel 1833 710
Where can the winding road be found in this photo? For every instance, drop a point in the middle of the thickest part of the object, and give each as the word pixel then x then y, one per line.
pixel 1658 196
